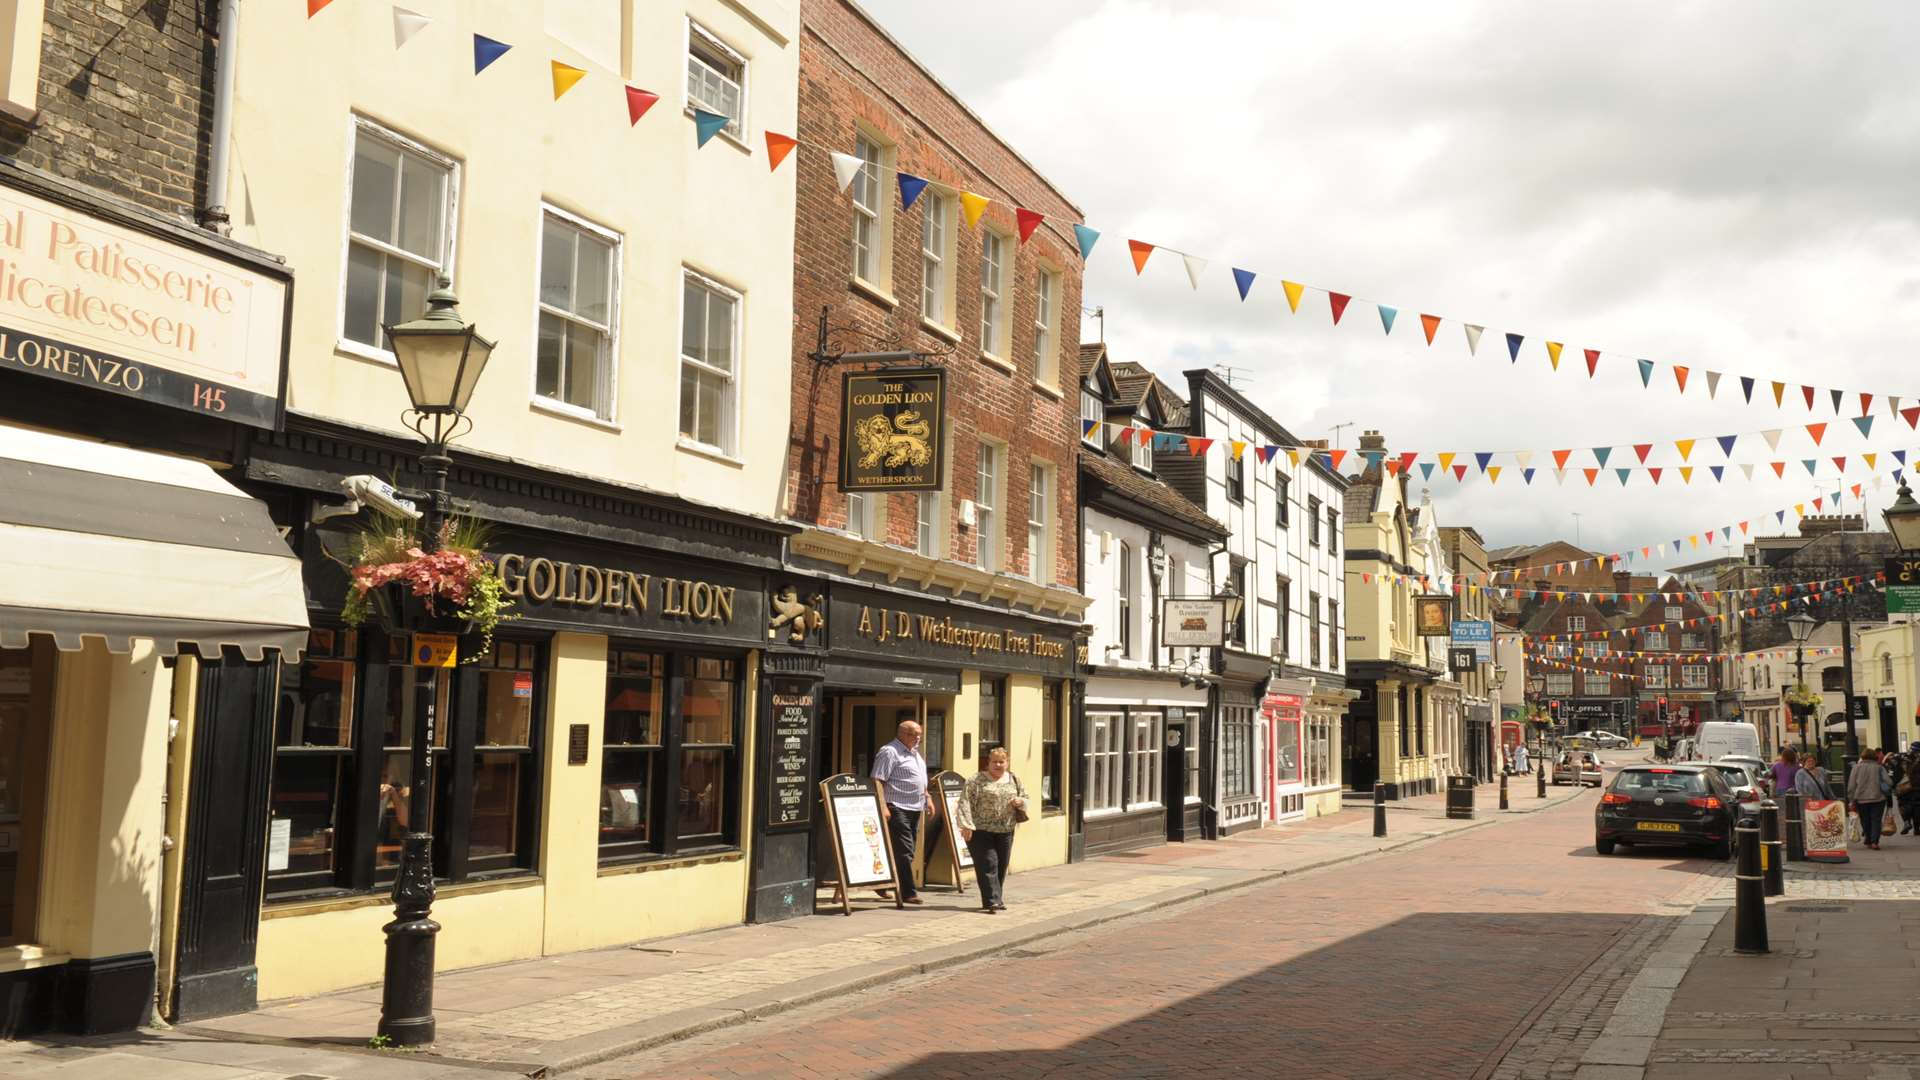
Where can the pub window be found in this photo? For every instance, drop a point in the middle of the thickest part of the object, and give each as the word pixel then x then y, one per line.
pixel 499 831
pixel 669 754
pixel 1046 344
pixel 1190 741
pixel 1039 510
pixel 986 504
pixel 1833 679
pixel 1053 709
pixel 313 760
pixel 994 296
pixel 936 270
pixel 872 212
pixel 1333 634
pixel 399 238
pixel 993 713
pixel 1236 750
pixel 1104 732
pixel 1656 641
pixel 1123 598
pixel 1143 760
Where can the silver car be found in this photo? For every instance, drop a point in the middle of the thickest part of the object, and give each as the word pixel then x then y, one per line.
pixel 1745 784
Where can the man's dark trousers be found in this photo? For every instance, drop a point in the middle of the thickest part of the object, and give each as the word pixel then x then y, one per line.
pixel 903 827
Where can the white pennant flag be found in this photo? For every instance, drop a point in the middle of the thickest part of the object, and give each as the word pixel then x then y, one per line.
pixel 1195 267
pixel 1713 384
pixel 1877 481
pixel 1772 437
pixel 1893 404
pixel 845 168
pixel 1523 457
pixel 1560 476
pixel 406 24
pixel 1473 338
pixel 1748 469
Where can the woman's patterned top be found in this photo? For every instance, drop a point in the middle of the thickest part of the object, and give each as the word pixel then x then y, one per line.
pixel 987 804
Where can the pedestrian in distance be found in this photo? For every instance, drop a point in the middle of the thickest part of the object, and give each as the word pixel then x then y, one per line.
pixel 1907 792
pixel 900 775
pixel 1867 790
pixel 1808 782
pixel 1520 763
pixel 993 803
pixel 1782 770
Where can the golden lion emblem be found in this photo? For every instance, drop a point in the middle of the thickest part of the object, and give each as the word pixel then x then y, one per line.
pixel 903 442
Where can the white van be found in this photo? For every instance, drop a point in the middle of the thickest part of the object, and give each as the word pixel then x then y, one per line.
pixel 1719 738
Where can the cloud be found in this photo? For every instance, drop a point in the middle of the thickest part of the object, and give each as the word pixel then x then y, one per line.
pixel 1714 184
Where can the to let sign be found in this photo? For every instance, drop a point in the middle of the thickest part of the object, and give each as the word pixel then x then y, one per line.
pixel 891 430
pixel 1903 585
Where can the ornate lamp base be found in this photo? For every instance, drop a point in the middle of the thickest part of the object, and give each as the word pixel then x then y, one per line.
pixel 406 999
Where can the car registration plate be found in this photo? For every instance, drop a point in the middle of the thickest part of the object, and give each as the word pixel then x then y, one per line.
pixel 1656 826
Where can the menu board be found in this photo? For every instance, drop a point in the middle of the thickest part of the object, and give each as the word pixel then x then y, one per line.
pixel 858 831
pixel 1826 830
pixel 792 711
pixel 952 790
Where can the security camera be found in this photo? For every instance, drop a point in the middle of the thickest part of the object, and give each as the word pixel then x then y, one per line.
pixel 382 496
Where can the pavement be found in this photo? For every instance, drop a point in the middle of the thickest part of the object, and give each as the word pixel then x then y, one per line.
pixel 563 1013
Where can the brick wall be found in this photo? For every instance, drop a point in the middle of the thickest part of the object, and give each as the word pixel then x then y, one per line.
pixel 125 100
pixel 853 76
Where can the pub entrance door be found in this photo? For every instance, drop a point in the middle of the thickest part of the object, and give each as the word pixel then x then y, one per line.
pixel 1359 753
pixel 854 727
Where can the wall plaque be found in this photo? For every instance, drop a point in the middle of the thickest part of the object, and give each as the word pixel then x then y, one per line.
pixel 891 435
pixel 792 708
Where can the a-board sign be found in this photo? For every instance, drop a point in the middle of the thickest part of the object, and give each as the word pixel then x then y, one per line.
pixel 1826 830
pixel 857 832
pixel 792 709
pixel 952 789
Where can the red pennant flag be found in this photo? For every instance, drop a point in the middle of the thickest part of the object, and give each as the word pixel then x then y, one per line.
pixel 1817 431
pixel 1680 376
pixel 1460 473
pixel 1560 458
pixel 1140 249
pixel 1028 221
pixel 1407 460
pixel 1642 449
pixel 1866 402
pixel 778 147
pixel 1856 494
pixel 1592 474
pixel 1125 434
pixel 1653 472
pixel 1196 447
pixel 1593 360
pixel 1816 503
pixel 1911 416
pixel 1335 456
pixel 1743 528
pixel 1431 323
pixel 1780 469
pixel 1807 392
pixel 314 6
pixel 1338 302
pixel 1840 463
pixel 638 102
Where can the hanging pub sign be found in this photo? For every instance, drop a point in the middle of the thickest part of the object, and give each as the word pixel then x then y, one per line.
pixel 1433 616
pixel 1193 622
pixel 891 430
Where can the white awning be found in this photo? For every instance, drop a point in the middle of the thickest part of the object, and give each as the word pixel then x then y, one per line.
pixel 105 542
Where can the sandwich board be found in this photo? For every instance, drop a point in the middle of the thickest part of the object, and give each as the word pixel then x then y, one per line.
pixel 856 830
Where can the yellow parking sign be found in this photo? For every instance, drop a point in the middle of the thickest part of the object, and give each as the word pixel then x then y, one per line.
pixel 435 650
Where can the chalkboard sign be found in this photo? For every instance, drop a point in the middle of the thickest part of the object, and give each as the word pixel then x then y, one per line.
pixel 857 832
pixel 792 709
pixel 952 790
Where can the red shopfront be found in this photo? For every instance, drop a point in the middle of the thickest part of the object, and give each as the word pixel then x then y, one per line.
pixel 1282 716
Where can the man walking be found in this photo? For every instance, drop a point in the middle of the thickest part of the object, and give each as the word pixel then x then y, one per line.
pixel 900 775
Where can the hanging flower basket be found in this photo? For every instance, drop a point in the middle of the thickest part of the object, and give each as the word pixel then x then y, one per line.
pixel 407 590
pixel 1802 699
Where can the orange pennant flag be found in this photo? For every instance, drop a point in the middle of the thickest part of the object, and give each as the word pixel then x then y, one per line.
pixel 778 147
pixel 1816 430
pixel 1592 474
pixel 314 6
pixel 1431 323
pixel 1779 469
pixel 1140 249
pixel 1680 376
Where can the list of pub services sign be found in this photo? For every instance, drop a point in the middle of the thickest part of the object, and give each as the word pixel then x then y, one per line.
pixel 792 736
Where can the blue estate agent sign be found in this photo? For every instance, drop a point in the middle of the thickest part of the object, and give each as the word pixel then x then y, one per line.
pixel 1475 633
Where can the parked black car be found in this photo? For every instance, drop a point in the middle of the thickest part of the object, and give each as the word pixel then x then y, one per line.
pixel 1670 805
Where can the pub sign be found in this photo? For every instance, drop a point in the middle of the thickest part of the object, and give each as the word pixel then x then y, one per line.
pixel 891 430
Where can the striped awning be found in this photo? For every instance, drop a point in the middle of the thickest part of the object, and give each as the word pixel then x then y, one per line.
pixel 105 542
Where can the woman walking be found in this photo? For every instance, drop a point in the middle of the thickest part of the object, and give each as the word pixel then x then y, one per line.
pixel 1910 798
pixel 1867 788
pixel 993 803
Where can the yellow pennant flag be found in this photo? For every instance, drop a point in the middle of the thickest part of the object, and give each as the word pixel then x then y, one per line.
pixel 972 206
pixel 1294 289
pixel 1869 459
pixel 1293 458
pixel 1553 354
pixel 1493 474
pixel 1686 473
pixel 1238 448
pixel 1685 447
pixel 1800 509
pixel 1446 462
pixel 564 78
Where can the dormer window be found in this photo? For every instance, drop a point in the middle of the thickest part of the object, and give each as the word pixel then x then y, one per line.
pixel 1092 411
pixel 1143 448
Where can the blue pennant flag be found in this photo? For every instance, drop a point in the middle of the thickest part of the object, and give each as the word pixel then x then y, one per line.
pixel 1386 316
pixel 1717 470
pixel 1746 387
pixel 707 124
pixel 1241 278
pixel 1528 473
pixel 1426 470
pixel 1087 238
pixel 486 51
pixel 1780 516
pixel 1373 457
pixel 1513 347
pixel 910 188
pixel 1900 456
pixel 1482 458
pixel 1087 426
pixel 1624 473
pixel 1726 444
pixel 1865 424
pixel 1646 371
pixel 1600 455
pixel 1810 464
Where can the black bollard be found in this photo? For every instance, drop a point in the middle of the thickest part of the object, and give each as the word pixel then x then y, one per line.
pixel 1773 865
pixel 1796 815
pixel 1540 780
pixel 1503 791
pixel 1749 891
pixel 1379 808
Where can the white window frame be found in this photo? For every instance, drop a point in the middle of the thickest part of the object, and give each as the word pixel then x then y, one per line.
pixel 993 316
pixel 612 418
pixel 1591 679
pixel 1039 523
pixel 866 515
pixel 737 125
pixel 358 125
pixel 1695 676
pixel 1675 613
pixel 1559 684
pixel 1576 624
pixel 1146 733
pixel 936 267
pixel 1140 448
pixel 1123 605
pixel 1104 775
pixel 878 215
pixel 1091 408
pixel 1046 314
pixel 1597 648
pixel 1656 675
pixel 1656 641
pixel 988 531
pixel 928 519
pixel 732 423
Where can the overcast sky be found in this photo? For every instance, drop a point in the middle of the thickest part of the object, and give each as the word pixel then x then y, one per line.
pixel 1729 186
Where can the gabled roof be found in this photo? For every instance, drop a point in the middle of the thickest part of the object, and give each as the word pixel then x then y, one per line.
pixel 1134 486
pixel 1131 383
pixel 1091 354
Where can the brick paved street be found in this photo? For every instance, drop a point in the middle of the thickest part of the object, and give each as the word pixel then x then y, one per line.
pixel 1433 964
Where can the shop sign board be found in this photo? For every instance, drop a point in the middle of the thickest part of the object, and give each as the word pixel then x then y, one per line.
pixel 793 708
pixel 892 430
pixel 1193 622
pixel 94 303
pixel 561 584
pixel 857 833
pixel 890 626
pixel 1433 616
pixel 953 787
pixel 1903 585
pixel 1476 634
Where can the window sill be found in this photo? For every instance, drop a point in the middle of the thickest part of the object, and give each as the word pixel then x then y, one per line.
pixel 1053 811
pixel 738 143
pixel 711 453
pixel 382 895
pixel 641 864
pixel 358 351
pixel 994 361
pixel 569 412
pixel 28 957
pixel 940 330
pixel 1051 391
pixel 872 292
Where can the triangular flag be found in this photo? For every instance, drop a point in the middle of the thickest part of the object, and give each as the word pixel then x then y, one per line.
pixel 1560 458
pixel 1865 424
pixel 314 7
pixel 1481 458
pixel 1513 347
pixel 639 101
pixel 1084 236
pixel 1837 396
pixel 1866 403
pixel 1779 469
pixel 1473 338
pixel 1685 446
pixel 1025 221
pixel 1430 323
pixel 485 51
pixel 1642 449
pixel 1593 361
pixel 1334 457
pixel 1713 384
pixel 1773 438
pixel 1591 475
pixel 973 206
pixel 1460 473
pixel 1553 354
pixel 1426 470
pixel 1560 477
pixel 1778 389
pixel 1293 289
pixel 1726 444
pixel 708 124
pixel 910 188
pixel 406 23
pixel 1527 474
pixel 1870 459
pixel 1807 392
pixel 1746 387
pixel 1198 446
pixel 778 147
pixel 1195 267
pixel 1600 455
pixel 1910 415
pixel 1646 371
pixel 1680 377
pixel 1623 474
pixel 1717 471
pixel 1523 458
pixel 1493 474
pixel 1446 461
pixel 845 168
pixel 1812 465
pixel 1655 474
pixel 1088 427
pixel 1817 431
pixel 1386 317
pixel 1840 463
pixel 1893 404
pixel 1337 303
pixel 1242 280
pixel 1686 474
pixel 565 77
pixel 1141 250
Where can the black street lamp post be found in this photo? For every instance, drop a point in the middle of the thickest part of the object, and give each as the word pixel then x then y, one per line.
pixel 440 358
pixel 1801 627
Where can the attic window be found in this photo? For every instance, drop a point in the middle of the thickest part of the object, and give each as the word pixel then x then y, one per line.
pixel 1092 411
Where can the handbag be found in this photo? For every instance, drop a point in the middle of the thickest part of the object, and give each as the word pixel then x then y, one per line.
pixel 1019 812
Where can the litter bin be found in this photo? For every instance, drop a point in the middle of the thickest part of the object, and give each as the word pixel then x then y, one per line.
pixel 1460 797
